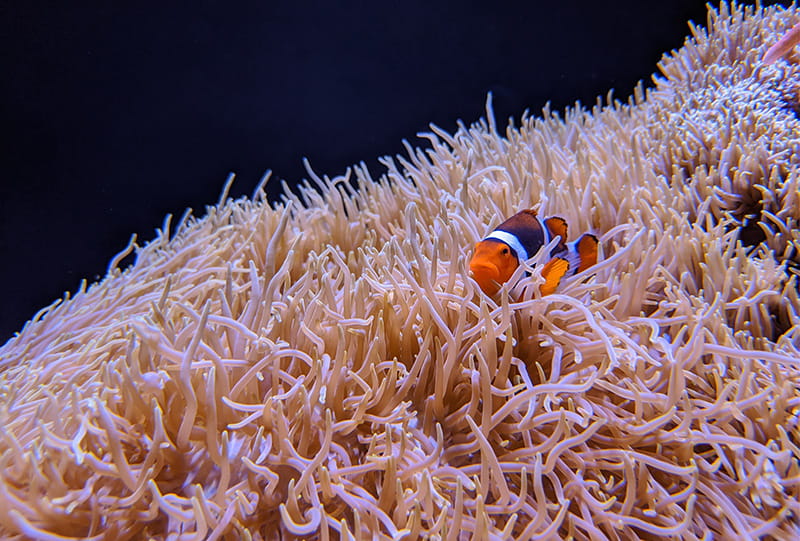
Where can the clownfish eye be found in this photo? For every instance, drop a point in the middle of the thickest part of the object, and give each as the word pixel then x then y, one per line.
pixel 505 251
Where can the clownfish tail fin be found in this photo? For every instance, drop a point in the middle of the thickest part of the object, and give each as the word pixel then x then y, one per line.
pixel 583 252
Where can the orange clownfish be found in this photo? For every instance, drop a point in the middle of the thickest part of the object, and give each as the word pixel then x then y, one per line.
pixel 520 237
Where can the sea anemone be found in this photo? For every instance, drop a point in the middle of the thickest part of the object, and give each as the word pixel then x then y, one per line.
pixel 324 367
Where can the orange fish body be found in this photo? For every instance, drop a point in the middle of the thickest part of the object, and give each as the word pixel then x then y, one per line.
pixel 498 255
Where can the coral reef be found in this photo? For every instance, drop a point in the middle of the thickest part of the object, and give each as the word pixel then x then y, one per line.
pixel 325 367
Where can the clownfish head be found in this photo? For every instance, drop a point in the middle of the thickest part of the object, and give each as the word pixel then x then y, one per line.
pixel 492 264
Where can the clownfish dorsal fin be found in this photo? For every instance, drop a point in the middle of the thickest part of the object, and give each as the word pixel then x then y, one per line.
pixel 557 227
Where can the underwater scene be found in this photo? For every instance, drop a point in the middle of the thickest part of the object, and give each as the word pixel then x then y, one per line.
pixel 582 326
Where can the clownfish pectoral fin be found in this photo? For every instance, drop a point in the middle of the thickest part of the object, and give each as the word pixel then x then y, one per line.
pixel 557 227
pixel 586 246
pixel 552 272
pixel 579 256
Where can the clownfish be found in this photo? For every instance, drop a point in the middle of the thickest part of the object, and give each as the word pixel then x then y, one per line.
pixel 499 254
